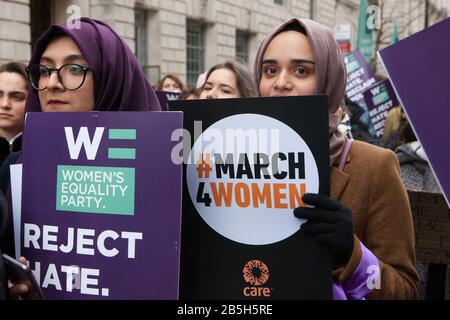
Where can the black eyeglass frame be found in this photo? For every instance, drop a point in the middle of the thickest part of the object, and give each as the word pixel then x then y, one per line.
pixel 58 70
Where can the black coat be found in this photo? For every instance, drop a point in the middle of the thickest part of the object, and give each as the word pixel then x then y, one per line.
pixel 6 220
pixel 6 148
pixel 3 219
pixel 6 235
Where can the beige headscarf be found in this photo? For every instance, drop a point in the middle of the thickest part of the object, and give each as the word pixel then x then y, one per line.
pixel 330 70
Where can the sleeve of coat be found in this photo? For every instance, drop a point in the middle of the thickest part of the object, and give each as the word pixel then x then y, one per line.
pixel 389 232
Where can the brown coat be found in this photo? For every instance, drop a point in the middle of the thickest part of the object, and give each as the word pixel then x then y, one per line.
pixel 371 187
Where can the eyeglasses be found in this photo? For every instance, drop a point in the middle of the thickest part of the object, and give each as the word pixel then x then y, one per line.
pixel 71 76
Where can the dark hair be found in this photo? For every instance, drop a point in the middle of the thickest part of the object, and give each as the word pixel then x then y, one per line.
pixel 407 134
pixel 174 78
pixel 15 67
pixel 244 78
pixel 294 26
pixel 194 91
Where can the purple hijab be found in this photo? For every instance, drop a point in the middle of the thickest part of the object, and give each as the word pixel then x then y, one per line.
pixel 119 82
pixel 331 74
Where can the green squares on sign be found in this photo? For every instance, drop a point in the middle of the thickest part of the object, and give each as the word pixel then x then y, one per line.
pixel 122 134
pixel 380 98
pixel 122 153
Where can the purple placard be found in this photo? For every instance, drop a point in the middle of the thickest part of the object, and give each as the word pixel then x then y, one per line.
pixel 359 76
pixel 380 98
pixel 419 70
pixel 101 220
pixel 164 97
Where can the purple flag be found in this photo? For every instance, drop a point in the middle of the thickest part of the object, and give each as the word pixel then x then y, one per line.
pixel 359 76
pixel 101 204
pixel 164 97
pixel 419 70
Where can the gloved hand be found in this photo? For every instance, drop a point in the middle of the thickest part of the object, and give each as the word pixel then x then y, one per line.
pixel 330 223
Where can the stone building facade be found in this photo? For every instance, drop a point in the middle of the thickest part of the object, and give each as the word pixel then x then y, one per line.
pixel 185 37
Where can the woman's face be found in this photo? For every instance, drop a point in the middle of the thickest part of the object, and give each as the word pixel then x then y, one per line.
pixel 13 96
pixel 288 67
pixel 221 84
pixel 55 97
pixel 171 85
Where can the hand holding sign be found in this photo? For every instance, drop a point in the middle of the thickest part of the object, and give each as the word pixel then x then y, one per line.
pixel 19 290
pixel 243 177
pixel 330 223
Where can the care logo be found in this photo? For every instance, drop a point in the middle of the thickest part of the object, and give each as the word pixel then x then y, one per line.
pixel 256 274
pixel 94 189
pixel 245 175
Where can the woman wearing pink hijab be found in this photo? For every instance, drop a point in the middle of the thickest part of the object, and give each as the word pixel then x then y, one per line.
pixel 366 223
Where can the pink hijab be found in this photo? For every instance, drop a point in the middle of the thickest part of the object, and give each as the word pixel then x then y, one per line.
pixel 330 70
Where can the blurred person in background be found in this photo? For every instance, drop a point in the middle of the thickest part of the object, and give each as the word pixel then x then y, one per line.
pixel 228 80
pixel 171 83
pixel 192 94
pixel 13 96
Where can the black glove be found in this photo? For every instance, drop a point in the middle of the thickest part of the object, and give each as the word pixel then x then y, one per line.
pixel 330 223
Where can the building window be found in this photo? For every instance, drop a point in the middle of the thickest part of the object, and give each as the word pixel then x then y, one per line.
pixel 141 34
pixel 195 46
pixel 242 40
pixel 280 2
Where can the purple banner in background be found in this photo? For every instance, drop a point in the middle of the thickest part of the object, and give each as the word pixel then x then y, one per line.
pixel 164 97
pixel 419 69
pixel 380 98
pixel 101 204
pixel 359 76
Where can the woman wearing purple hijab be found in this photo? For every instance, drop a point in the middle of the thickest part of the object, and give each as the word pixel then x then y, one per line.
pixel 90 68
pixel 80 70
pixel 366 223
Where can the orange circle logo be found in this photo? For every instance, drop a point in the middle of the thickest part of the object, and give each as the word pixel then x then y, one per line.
pixel 256 273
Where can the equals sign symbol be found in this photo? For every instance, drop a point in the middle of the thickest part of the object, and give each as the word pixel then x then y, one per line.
pixel 122 153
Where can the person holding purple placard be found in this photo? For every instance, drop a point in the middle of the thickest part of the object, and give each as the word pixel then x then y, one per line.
pixel 79 70
pixel 366 223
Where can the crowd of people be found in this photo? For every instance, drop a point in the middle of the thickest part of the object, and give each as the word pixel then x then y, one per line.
pixel 367 219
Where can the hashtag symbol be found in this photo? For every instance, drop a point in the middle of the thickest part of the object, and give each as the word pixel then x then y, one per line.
pixel 204 165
